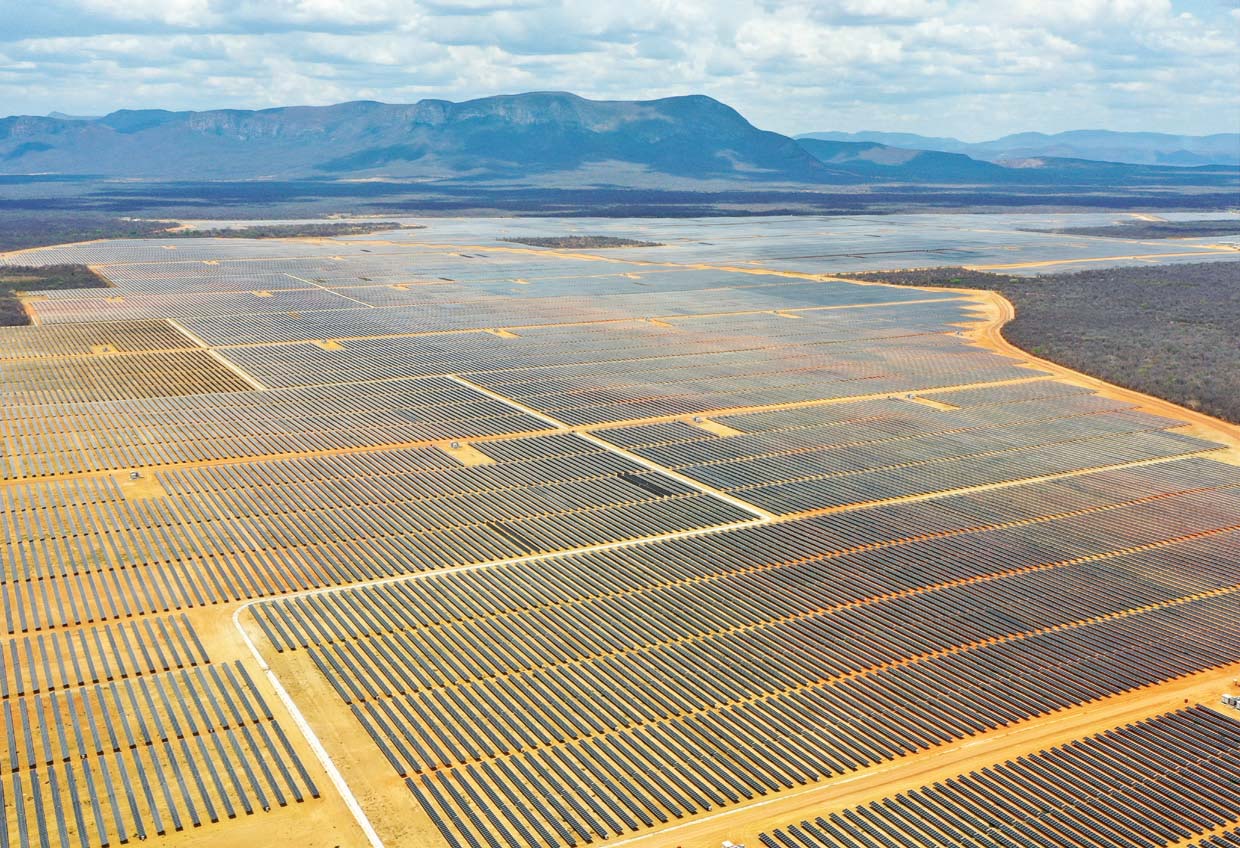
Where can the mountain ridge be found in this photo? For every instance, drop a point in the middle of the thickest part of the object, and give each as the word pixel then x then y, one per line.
pixel 1133 148
pixel 497 137
pixel 534 139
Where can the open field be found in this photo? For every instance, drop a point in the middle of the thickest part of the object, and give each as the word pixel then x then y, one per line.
pixel 424 538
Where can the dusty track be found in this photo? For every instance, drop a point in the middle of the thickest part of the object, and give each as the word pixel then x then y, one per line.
pixel 331 820
pixel 991 337
pixel 743 824
pixel 1208 250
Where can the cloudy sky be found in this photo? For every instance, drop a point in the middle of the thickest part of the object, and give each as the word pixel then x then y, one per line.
pixel 970 68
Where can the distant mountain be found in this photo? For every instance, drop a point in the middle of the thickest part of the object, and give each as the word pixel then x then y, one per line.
pixel 880 163
pixel 1097 145
pixel 496 138
pixel 543 139
pixel 910 141
pixel 903 164
pixel 62 116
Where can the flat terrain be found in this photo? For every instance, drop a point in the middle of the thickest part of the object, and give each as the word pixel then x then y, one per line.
pixel 1020 244
pixel 1156 229
pixel 256 229
pixel 592 192
pixel 426 538
pixel 25 230
pixel 580 242
pixel 16 280
pixel 33 228
pixel 1168 332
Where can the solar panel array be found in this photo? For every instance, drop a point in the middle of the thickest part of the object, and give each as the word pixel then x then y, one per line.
pixel 579 547
pixel 589 394
pixel 788 462
pixel 85 379
pixel 77 339
pixel 1155 782
pixel 839 243
pixel 642 685
pixel 129 731
pixel 564 353
pixel 468 309
pixel 85 552
pixel 62 438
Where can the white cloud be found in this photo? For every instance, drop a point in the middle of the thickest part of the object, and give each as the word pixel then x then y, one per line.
pixel 180 12
pixel 972 68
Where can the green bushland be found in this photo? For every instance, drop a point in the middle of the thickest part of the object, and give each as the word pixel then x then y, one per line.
pixel 261 231
pixel 1156 229
pixel 580 242
pixel 1172 331
pixel 17 279
pixel 20 230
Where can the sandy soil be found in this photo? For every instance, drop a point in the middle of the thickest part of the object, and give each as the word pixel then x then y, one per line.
pixel 390 807
pixel 743 824
pixel 1213 250
pixel 1198 423
pixel 328 822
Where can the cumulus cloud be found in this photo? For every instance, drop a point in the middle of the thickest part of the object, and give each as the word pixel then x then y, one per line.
pixel 971 68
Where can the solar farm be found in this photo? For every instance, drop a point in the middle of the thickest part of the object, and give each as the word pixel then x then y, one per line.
pixel 438 540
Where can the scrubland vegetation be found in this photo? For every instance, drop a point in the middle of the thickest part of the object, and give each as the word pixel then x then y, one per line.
pixel 581 242
pixel 15 279
pixel 262 231
pixel 1158 229
pixel 20 230
pixel 1168 331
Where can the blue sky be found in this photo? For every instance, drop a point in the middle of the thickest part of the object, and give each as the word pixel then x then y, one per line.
pixel 973 69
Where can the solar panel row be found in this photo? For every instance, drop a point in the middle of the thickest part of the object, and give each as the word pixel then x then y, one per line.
pixel 79 339
pixel 707 688
pixel 687 347
pixel 85 379
pixel 253 530
pixel 788 463
pixel 626 391
pixel 128 731
pixel 1155 782
pixel 65 438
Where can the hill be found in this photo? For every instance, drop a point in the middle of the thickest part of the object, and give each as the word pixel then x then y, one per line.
pixel 504 137
pixel 881 163
pixel 1137 148
pixel 897 163
pixel 547 140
